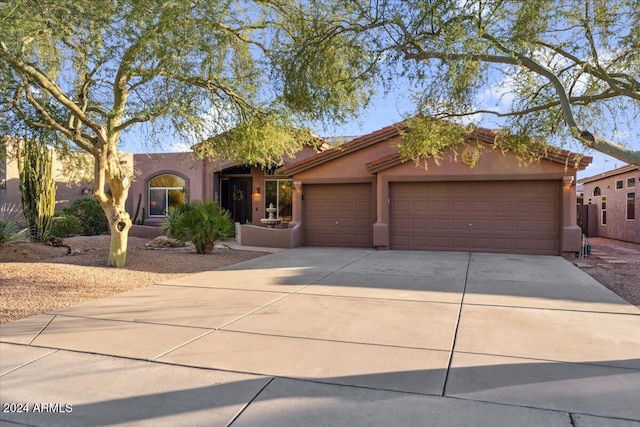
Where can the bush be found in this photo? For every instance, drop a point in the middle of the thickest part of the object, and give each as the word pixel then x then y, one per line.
pixel 205 222
pixel 66 226
pixel 11 225
pixel 90 214
pixel 170 223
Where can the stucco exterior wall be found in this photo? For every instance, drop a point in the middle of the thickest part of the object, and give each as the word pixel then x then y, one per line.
pixel 618 226
pixel 68 188
pixel 184 165
pixel 348 168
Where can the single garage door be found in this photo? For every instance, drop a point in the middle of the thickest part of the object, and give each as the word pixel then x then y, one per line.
pixel 487 216
pixel 338 215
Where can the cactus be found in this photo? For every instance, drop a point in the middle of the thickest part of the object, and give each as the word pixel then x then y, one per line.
pixel 37 188
pixel 144 214
pixel 135 216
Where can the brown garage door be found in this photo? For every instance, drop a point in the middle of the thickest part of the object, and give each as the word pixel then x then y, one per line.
pixel 487 216
pixel 338 215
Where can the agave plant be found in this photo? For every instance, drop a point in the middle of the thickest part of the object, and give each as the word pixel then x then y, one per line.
pixel 12 227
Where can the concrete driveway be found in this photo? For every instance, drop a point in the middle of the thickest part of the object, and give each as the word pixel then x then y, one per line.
pixel 336 337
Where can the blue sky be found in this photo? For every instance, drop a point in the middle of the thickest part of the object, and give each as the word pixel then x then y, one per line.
pixel 384 110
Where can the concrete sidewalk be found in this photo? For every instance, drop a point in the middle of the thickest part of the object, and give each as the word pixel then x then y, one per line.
pixel 332 336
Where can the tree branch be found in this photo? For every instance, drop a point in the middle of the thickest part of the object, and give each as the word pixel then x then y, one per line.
pixel 514 58
pixel 53 89
pixel 631 88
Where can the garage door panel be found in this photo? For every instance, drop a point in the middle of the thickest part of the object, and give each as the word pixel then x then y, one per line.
pixel 502 206
pixel 503 225
pixel 514 216
pixel 549 226
pixel 362 206
pixel 437 206
pixel 401 223
pixel 481 242
pixel 544 207
pixel 482 206
pixel 524 226
pixel 459 224
pixel 338 215
pixel 460 206
pixel 483 224
pixel 524 207
pixel 503 244
pixel 438 224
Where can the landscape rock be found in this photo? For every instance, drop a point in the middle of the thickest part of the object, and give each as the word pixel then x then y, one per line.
pixel 165 242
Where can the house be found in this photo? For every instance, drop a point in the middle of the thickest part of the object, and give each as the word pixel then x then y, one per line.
pixel 362 194
pixel 614 194
pixel 171 179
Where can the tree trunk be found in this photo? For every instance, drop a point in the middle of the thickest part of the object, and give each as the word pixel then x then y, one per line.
pixel 111 188
pixel 119 225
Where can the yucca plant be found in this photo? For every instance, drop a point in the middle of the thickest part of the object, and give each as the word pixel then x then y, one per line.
pixel 170 224
pixel 205 222
pixel 11 225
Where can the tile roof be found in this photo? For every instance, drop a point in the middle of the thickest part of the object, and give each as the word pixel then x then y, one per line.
pixel 481 134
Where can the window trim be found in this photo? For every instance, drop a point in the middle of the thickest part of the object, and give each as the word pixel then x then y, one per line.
pixel 632 179
pixel 277 206
pixel 603 211
pixel 599 191
pixel 633 210
pixel 619 184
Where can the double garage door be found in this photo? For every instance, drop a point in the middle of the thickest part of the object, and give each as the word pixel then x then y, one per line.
pixel 486 216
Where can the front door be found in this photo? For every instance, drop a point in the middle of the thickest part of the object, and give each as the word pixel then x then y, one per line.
pixel 236 198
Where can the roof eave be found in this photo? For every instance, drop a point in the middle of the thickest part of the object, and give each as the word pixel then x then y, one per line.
pixel 609 174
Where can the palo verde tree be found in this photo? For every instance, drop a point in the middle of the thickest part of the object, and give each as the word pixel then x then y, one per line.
pixel 551 69
pixel 83 74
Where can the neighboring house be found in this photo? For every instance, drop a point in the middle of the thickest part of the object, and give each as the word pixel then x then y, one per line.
pixel 67 190
pixel 363 194
pixel 615 194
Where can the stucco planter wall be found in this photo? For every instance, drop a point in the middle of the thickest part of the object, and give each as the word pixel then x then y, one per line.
pixel 144 231
pixel 285 238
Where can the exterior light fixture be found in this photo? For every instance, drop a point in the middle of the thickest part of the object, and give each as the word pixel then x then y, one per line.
pixel 257 197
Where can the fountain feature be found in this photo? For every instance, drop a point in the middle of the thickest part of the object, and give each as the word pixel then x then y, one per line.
pixel 272 221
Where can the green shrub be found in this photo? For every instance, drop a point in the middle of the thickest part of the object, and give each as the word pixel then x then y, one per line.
pixel 90 214
pixel 66 226
pixel 12 228
pixel 205 222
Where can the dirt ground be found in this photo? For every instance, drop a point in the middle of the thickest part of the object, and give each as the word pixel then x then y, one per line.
pixel 616 265
pixel 35 278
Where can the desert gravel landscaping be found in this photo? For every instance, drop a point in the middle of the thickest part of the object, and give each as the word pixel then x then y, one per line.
pixel 35 278
pixel 616 265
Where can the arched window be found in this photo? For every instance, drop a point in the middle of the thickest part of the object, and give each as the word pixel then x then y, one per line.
pixel 166 191
pixel 596 191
